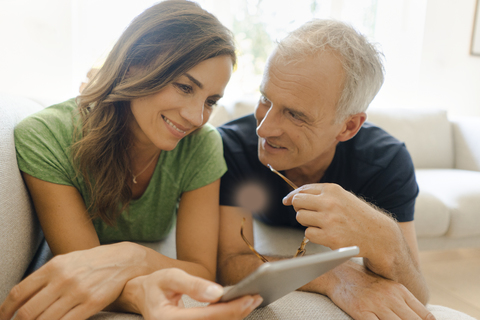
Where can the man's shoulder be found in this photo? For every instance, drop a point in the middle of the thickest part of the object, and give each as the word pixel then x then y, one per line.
pixel 374 145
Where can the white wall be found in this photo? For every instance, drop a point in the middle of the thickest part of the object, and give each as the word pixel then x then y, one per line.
pixel 439 71
pixel 36 48
pixel 450 76
pixel 435 70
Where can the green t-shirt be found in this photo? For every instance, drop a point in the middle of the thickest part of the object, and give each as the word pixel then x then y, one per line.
pixel 43 143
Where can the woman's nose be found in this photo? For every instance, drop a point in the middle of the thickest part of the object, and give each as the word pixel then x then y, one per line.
pixel 193 113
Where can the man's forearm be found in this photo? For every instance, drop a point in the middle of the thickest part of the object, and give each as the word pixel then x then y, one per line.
pixel 326 283
pixel 404 269
pixel 233 268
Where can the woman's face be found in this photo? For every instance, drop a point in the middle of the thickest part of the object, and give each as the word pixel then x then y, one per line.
pixel 165 117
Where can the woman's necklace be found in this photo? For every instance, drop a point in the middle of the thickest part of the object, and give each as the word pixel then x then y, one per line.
pixel 148 165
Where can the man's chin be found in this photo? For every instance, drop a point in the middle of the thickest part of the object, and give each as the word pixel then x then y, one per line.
pixel 276 164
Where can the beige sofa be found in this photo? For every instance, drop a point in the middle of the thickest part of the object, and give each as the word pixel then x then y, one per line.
pixel 20 234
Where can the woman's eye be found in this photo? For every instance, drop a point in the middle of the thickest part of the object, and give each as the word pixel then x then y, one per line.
pixel 210 103
pixel 185 88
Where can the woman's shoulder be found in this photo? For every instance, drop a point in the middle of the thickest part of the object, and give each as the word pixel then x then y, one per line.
pixel 57 119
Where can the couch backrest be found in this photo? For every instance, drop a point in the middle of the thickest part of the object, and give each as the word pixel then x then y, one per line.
pixel 19 230
pixel 427 133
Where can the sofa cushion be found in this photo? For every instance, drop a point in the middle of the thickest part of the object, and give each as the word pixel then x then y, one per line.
pixel 296 305
pixel 427 134
pixel 466 133
pixel 459 190
pixel 19 230
pixel 305 305
pixel 432 216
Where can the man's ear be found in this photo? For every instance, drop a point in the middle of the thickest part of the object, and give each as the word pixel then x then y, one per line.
pixel 351 126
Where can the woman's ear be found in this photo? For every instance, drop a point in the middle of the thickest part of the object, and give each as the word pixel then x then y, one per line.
pixel 351 126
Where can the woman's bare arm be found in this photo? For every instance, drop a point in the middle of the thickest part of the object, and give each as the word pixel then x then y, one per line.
pixel 93 279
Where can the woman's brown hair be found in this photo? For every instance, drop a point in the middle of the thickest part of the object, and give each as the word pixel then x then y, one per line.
pixel 162 43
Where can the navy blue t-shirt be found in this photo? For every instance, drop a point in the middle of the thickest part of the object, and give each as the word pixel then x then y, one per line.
pixel 373 165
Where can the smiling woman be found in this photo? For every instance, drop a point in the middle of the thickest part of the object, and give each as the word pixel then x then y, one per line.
pixel 121 163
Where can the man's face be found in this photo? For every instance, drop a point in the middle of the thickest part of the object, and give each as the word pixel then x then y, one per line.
pixel 296 113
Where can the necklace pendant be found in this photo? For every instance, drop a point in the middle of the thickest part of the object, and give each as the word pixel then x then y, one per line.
pixel 135 180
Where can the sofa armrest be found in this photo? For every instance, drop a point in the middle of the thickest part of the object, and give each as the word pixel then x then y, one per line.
pixel 19 229
pixel 466 136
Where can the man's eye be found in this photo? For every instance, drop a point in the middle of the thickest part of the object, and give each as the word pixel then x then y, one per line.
pixel 185 88
pixel 294 115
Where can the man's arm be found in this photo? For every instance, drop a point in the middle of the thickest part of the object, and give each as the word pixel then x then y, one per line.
pixel 352 287
pixel 336 218
pixel 235 261
pixel 406 268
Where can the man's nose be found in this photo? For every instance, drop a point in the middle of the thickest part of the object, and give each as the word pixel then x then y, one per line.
pixel 193 113
pixel 270 122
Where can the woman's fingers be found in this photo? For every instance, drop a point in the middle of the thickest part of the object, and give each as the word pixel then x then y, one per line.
pixel 82 311
pixel 59 308
pixel 178 281
pixel 23 292
pixel 42 302
pixel 233 310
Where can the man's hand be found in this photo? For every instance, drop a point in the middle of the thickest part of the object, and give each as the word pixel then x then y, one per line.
pixel 367 296
pixel 158 296
pixel 373 297
pixel 336 218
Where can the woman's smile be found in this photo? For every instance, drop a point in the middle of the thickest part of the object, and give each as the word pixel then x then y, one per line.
pixel 176 127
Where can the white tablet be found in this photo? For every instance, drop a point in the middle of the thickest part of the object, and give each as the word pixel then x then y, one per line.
pixel 273 280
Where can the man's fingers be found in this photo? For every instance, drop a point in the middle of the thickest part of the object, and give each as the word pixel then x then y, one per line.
pixel 309 218
pixel 199 289
pixel 419 308
pixel 313 189
pixel 318 236
pixel 307 201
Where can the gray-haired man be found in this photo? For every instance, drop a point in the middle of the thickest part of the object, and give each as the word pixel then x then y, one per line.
pixel 310 125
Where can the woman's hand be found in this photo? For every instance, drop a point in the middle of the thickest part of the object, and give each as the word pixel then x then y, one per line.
pixel 74 285
pixel 158 296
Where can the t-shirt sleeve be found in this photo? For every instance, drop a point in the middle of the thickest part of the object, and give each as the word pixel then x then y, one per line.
pixel 397 187
pixel 206 163
pixel 42 150
pixel 231 178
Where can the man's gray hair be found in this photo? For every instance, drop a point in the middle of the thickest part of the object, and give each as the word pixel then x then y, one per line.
pixel 362 62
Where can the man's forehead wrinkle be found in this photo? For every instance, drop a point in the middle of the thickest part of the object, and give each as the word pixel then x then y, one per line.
pixel 296 84
pixel 301 96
